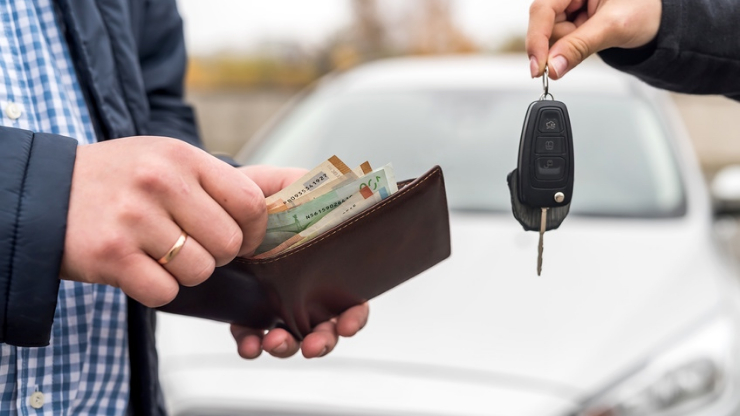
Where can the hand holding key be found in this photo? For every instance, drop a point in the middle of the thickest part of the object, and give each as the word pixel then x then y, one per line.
pixel 562 33
pixel 542 185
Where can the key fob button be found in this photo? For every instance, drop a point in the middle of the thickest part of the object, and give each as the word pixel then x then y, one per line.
pixel 551 121
pixel 550 168
pixel 549 145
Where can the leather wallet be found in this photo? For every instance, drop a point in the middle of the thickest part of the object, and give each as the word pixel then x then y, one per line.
pixel 378 249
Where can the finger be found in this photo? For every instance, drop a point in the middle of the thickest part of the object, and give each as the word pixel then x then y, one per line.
pixel 580 19
pixel 573 48
pixel 321 341
pixel 248 341
pixel 353 320
pixel 279 343
pixel 575 5
pixel 272 179
pixel 242 199
pixel 562 30
pixel 542 17
pixel 191 266
pixel 145 280
pixel 203 219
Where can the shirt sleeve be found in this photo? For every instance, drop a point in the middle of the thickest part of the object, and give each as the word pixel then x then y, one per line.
pixel 696 51
pixel 35 181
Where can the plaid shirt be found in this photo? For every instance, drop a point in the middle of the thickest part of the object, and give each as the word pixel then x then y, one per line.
pixel 85 369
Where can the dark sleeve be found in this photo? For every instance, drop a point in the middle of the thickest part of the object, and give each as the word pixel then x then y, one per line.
pixel 35 179
pixel 696 51
pixel 163 60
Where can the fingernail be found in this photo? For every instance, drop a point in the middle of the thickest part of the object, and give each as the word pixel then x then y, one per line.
pixel 324 352
pixel 559 65
pixel 533 66
pixel 281 348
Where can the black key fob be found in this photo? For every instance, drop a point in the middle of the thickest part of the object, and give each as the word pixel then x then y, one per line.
pixel 545 168
pixel 544 175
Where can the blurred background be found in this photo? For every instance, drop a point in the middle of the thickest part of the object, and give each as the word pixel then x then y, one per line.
pixel 637 312
pixel 249 57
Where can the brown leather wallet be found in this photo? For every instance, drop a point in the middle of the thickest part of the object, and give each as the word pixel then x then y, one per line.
pixel 376 250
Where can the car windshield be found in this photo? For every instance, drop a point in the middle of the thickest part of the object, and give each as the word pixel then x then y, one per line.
pixel 624 165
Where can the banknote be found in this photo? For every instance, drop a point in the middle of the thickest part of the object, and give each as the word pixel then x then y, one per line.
pixel 360 171
pixel 321 175
pixel 301 217
pixel 326 187
pixel 280 225
pixel 355 204
pixel 363 169
pixel 272 239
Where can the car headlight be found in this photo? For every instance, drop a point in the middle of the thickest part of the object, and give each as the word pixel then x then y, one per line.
pixel 698 371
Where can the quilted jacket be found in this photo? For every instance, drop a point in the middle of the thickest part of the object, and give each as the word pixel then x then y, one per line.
pixel 130 59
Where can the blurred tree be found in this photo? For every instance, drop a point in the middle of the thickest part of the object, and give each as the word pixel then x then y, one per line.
pixel 513 44
pixel 364 40
pixel 379 28
pixel 432 30
pixel 422 27
pixel 230 72
pixel 344 56
pixel 369 29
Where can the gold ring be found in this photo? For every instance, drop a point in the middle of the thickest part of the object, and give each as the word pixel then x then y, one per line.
pixel 174 250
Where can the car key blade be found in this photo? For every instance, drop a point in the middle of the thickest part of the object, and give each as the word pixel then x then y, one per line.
pixel 541 245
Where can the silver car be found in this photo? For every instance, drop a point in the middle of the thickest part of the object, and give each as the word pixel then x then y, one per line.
pixel 637 311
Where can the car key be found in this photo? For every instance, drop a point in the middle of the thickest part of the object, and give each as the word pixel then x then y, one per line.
pixel 541 244
pixel 542 184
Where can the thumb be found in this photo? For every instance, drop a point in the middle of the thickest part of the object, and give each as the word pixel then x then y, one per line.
pixel 574 48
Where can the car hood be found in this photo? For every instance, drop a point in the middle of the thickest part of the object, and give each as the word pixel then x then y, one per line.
pixel 483 325
pixel 610 290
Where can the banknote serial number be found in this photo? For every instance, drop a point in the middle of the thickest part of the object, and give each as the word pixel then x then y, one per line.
pixel 317 180
pixel 326 209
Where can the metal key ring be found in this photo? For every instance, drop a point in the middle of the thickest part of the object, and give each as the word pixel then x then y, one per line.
pixel 546 85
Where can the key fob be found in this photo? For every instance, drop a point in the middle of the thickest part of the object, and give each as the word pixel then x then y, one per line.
pixel 544 174
pixel 545 165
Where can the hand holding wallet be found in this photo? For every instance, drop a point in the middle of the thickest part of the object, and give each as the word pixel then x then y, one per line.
pixel 356 260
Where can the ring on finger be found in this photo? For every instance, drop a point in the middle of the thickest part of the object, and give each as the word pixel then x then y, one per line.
pixel 174 250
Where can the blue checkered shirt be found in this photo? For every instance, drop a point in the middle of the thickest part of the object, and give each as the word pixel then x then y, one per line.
pixel 85 369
